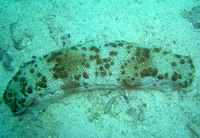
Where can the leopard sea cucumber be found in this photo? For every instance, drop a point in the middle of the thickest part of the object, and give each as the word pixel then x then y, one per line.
pixel 107 66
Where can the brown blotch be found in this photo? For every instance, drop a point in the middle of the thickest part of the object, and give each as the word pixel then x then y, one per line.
pixel 45 56
pixel 22 79
pixel 166 52
pixel 136 67
pixel 176 76
pixel 98 61
pixel 53 56
pixel 136 74
pixel 146 53
pixel 29 90
pixel 92 57
pixel 141 60
pixel 61 75
pixel 103 73
pixel 113 44
pixel 31 70
pixel 123 72
pixel 84 48
pixel 160 77
pixel 83 55
pixel 107 66
pixel 85 85
pixel 96 56
pixel 44 79
pixel 166 75
pixel 112 63
pixel 182 61
pixel 157 50
pixel 113 53
pixel 59 59
pixel 77 77
pixel 101 68
pixel 105 60
pixel 120 44
pixel 96 73
pixel 177 56
pixel 85 75
pixel 185 84
pixel 128 47
pixel 132 79
pixel 41 84
pixel 74 48
pixel 106 45
pixel 148 72
pixel 87 65
pixel 95 49
pixel 174 64
pixel 138 50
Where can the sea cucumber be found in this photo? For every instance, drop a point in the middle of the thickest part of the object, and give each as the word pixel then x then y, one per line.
pixel 107 66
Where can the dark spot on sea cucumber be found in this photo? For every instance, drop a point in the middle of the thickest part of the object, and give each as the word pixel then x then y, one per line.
pixel 123 72
pixel 92 57
pixel 87 65
pixel 85 75
pixel 148 72
pixel 98 61
pixel 105 60
pixel 112 63
pixel 157 50
pixel 113 53
pixel 107 66
pixel 83 55
pixel 120 44
pixel 166 75
pixel 177 56
pixel 59 59
pixel 44 79
pixel 174 64
pixel 182 61
pixel 84 48
pixel 39 75
pixel 29 90
pixel 113 44
pixel 146 53
pixel 22 79
pixel 74 48
pixel 31 70
pixel 101 68
pixel 160 77
pixel 141 60
pixel 45 56
pixel 16 78
pixel 136 74
pixel 136 67
pixel 96 73
pixel 76 77
pixel 130 46
pixel 41 84
pixel 166 52
pixel 175 76
pixel 95 49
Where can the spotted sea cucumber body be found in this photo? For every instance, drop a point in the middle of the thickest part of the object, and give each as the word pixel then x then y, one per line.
pixel 115 65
